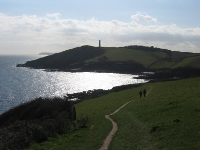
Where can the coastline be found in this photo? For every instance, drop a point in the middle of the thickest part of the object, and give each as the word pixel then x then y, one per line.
pixel 103 66
pixel 86 95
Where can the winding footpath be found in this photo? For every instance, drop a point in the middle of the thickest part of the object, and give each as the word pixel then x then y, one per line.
pixel 108 139
pixel 114 129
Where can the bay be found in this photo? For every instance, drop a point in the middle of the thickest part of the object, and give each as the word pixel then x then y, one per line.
pixel 18 84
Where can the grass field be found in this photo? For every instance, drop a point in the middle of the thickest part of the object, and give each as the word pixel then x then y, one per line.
pixel 124 54
pixel 192 61
pixel 178 56
pixel 168 118
pixel 162 64
pixel 188 62
pixel 150 59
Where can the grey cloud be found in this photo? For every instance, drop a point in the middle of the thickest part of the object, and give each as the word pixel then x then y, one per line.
pixel 153 36
pixel 61 32
pixel 73 31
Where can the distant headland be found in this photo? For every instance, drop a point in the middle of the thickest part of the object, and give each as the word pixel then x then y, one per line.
pixel 129 59
pixel 45 53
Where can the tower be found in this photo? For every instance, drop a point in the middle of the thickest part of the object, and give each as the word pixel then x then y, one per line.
pixel 99 43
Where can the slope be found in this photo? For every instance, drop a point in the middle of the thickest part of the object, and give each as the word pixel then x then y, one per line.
pixel 66 59
pixel 124 54
pixel 168 118
pixel 127 59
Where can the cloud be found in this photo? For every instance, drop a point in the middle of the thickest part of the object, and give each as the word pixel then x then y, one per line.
pixel 34 34
pixel 143 18
pixel 55 15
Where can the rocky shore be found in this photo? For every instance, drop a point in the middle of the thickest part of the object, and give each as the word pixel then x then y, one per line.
pixel 85 95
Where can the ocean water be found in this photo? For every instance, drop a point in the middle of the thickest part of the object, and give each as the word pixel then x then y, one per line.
pixel 18 84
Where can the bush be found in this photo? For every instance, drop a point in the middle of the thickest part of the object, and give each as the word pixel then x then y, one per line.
pixel 82 122
pixel 35 121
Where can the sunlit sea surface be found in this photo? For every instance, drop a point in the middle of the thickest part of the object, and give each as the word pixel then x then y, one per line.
pixel 18 85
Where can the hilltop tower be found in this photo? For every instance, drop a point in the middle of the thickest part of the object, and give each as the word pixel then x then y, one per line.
pixel 99 43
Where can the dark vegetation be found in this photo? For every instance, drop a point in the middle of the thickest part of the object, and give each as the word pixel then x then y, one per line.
pixel 114 66
pixel 66 60
pixel 36 121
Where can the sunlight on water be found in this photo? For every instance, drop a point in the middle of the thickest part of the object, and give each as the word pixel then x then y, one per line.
pixel 23 84
pixel 61 83
pixel 78 82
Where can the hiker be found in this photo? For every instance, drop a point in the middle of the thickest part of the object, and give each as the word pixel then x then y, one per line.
pixel 140 93
pixel 144 92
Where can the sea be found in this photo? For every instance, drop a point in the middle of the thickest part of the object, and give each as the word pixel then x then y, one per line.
pixel 20 84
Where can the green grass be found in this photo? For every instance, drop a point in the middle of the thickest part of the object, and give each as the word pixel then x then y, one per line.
pixel 124 54
pixel 178 56
pixel 168 118
pixel 190 61
pixel 95 109
pixel 162 64
pixel 186 62
pixel 166 105
pixel 151 59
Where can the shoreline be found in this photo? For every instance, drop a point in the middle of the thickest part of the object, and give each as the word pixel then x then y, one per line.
pixel 142 72
pixel 90 94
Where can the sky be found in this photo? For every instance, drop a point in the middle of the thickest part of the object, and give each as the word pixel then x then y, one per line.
pixel 34 26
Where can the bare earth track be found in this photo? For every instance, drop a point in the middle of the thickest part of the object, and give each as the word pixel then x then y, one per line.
pixel 114 129
pixel 108 139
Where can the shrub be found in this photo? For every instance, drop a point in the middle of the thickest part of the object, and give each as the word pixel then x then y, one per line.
pixel 35 121
pixel 82 122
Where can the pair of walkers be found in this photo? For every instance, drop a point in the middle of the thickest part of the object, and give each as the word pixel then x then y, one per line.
pixel 144 93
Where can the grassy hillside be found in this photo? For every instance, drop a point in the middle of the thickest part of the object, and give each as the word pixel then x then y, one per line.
pixel 110 59
pixel 168 118
pixel 178 56
pixel 193 61
pixel 177 59
pixel 124 54
pixel 162 64
pixel 69 58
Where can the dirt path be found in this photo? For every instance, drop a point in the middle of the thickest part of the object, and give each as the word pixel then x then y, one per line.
pixel 114 129
pixel 108 139
pixel 149 90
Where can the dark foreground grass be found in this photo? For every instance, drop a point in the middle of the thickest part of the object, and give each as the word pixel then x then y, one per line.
pixel 168 118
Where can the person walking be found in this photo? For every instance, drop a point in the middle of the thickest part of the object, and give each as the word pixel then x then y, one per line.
pixel 140 93
pixel 144 92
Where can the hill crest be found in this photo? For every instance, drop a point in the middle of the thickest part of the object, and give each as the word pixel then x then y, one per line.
pixel 128 59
